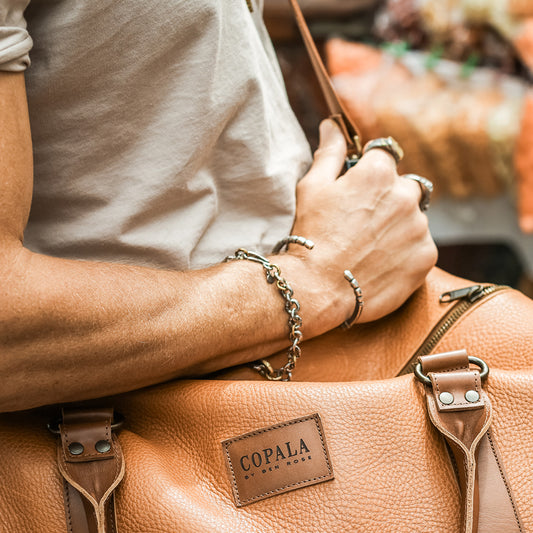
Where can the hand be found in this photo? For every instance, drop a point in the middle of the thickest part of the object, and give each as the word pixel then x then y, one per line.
pixel 369 222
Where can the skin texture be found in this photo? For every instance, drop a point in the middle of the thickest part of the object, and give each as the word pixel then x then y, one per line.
pixel 72 330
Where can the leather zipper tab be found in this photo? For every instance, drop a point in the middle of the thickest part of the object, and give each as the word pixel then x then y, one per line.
pixel 472 293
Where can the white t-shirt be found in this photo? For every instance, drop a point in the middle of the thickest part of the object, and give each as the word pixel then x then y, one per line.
pixel 162 131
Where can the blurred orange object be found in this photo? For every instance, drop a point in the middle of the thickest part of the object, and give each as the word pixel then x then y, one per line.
pixel 523 159
pixel 384 98
pixel 459 131
pixel 520 8
pixel 351 57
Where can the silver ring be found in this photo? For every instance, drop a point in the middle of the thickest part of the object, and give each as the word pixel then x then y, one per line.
pixel 426 186
pixel 389 144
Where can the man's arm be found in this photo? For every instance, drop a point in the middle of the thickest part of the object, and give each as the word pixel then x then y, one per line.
pixel 71 330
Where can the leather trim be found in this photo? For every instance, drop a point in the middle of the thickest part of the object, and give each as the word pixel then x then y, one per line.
pixel 453 361
pixel 80 515
pixel 457 383
pixel 76 512
pixel 336 109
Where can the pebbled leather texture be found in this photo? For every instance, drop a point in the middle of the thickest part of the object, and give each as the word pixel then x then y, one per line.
pixel 510 394
pixel 502 322
pixel 497 510
pixel 392 471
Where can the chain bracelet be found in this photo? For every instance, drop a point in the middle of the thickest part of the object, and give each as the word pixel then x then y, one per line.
pixel 292 307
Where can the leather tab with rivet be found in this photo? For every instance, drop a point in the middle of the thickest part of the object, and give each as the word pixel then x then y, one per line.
pixel 87 438
pixel 457 391
pixel 91 461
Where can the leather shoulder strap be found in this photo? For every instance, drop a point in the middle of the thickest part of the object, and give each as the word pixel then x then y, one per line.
pixel 338 113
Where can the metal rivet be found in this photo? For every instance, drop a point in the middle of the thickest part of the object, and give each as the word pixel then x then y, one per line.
pixel 102 446
pixel 75 448
pixel 472 396
pixel 446 398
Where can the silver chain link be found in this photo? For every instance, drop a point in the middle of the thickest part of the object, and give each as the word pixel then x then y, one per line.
pixel 292 307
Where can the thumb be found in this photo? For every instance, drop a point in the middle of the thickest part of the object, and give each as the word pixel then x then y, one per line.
pixel 329 157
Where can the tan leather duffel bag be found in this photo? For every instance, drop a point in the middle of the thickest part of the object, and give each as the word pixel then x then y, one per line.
pixel 258 456
pixel 329 454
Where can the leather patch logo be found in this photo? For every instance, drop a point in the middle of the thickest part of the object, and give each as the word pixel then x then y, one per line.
pixel 277 459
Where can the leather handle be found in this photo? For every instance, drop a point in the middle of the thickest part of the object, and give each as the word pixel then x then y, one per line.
pixel 336 109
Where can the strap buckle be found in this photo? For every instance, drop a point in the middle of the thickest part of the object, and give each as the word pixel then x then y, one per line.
pixel 471 359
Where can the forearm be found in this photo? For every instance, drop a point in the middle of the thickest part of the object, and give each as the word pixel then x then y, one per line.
pixel 72 330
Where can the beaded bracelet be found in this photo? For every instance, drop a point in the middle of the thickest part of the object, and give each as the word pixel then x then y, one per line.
pixel 293 239
pixel 348 276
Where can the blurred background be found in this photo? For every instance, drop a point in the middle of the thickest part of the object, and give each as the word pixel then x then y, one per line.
pixel 451 80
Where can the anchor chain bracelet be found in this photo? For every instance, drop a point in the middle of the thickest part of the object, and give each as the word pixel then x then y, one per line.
pixel 292 307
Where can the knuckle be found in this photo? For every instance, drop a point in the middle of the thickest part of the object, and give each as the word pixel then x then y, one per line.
pixel 422 224
pixel 407 201
pixel 381 163
pixel 377 170
pixel 382 171
pixel 429 256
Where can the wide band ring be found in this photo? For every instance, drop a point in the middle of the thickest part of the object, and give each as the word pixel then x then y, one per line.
pixel 426 186
pixel 388 144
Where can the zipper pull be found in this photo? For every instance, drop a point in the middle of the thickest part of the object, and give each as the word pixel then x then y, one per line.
pixel 473 293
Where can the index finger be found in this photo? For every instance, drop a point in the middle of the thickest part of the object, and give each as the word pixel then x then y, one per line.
pixel 375 164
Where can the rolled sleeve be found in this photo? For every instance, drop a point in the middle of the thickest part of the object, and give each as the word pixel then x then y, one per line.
pixel 15 41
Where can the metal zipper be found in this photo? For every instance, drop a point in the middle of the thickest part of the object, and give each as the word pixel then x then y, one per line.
pixel 466 299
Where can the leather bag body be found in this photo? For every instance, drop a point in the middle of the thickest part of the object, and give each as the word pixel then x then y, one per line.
pixel 392 471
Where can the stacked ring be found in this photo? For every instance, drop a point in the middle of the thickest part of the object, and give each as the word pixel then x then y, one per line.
pixel 426 187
